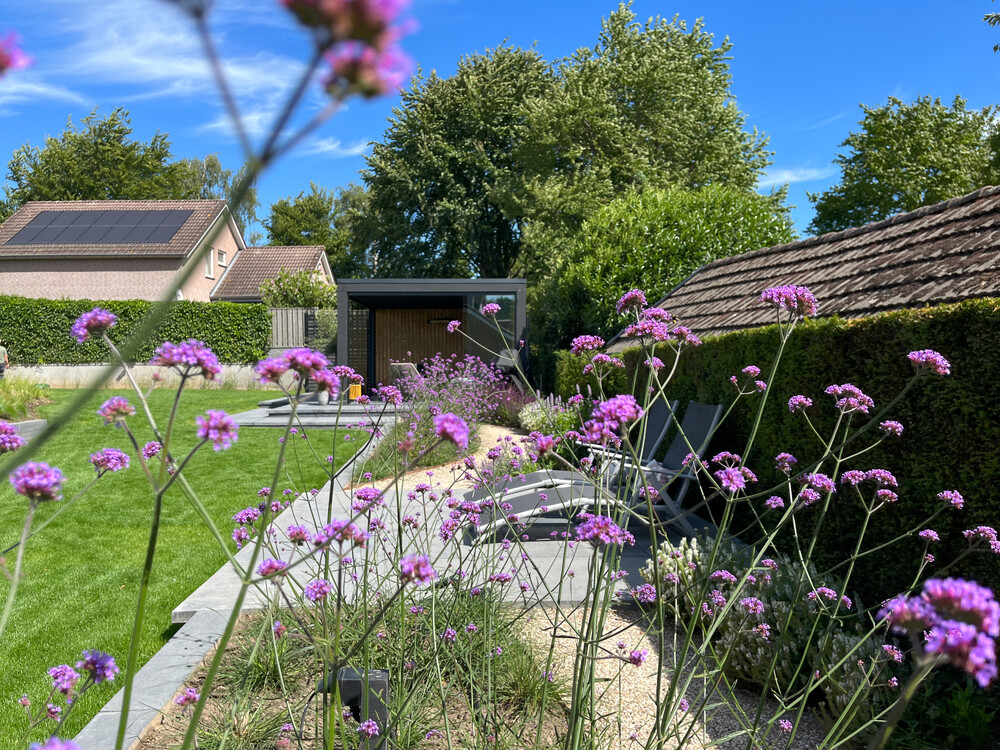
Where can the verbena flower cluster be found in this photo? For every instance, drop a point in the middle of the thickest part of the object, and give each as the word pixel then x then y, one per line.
pixel 92 323
pixel 954 619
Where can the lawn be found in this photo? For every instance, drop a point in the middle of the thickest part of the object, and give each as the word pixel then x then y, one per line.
pixel 81 573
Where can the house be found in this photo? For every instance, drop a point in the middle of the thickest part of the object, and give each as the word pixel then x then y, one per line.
pixel 115 249
pixel 936 254
pixel 253 266
pixel 380 321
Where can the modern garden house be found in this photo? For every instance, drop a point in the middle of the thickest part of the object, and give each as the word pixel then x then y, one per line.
pixel 381 321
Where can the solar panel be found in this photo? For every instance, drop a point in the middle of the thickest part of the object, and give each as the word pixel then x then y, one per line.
pixel 71 234
pixel 101 227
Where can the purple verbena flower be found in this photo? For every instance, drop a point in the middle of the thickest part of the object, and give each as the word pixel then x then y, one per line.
pixel 609 417
pixel 784 462
pixel 317 590
pixel 109 459
pixel 416 569
pixel 54 743
pixel 586 343
pixel 454 325
pixel 894 653
pixel 271 567
pixel 929 535
pixel 92 323
pixel 218 427
pixel 928 360
pixel 150 449
pixel 602 530
pixel 797 300
pixel 891 427
pixel 850 398
pixel 10 440
pixel 99 665
pixel 37 481
pixel 116 409
pixel 452 427
pixel 64 678
pixel 271 369
pixel 188 697
pixel 188 357
pixel 953 497
pixel 774 502
pixel 305 361
pixel 637 658
pixel 752 605
pixel 644 594
pixel 368 728
pixel 799 403
pixel 633 299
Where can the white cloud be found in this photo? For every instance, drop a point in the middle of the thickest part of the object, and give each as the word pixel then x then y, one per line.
pixel 154 48
pixel 827 121
pixel 22 87
pixel 795 174
pixel 333 147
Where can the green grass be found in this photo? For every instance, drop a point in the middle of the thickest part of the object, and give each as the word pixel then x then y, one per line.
pixel 20 398
pixel 81 573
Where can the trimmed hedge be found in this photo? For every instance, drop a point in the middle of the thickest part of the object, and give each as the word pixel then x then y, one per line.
pixel 36 331
pixel 951 437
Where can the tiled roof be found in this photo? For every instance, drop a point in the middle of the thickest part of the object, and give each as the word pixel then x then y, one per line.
pixel 203 214
pixel 943 253
pixel 255 265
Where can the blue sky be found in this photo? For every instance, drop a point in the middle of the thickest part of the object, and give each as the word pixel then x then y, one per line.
pixel 800 71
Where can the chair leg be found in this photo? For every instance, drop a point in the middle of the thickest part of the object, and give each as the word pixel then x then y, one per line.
pixel 673 507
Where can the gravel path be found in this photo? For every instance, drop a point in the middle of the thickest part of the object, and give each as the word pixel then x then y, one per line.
pixel 629 698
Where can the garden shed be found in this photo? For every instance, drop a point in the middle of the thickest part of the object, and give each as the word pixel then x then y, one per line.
pixel 381 321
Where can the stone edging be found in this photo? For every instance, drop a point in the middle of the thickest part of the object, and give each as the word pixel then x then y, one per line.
pixel 204 614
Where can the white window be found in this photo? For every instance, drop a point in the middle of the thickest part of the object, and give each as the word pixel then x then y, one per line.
pixel 209 267
pixel 222 258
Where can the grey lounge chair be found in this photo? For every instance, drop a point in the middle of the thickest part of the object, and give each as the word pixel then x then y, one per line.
pixel 658 422
pixel 570 492
pixel 655 428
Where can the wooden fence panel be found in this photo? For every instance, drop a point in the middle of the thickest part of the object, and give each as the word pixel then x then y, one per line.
pixel 292 326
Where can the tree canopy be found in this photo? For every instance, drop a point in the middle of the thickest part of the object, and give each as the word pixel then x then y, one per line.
pixel 652 241
pixel 207 178
pixel 435 181
pixel 493 170
pixel 338 221
pixel 906 156
pixel 99 160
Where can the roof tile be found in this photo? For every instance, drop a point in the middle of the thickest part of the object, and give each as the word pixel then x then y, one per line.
pixel 941 253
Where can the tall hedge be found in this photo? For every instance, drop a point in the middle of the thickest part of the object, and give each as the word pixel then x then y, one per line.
pixel 36 331
pixel 952 425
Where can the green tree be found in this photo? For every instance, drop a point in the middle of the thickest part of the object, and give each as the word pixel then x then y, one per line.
pixel 649 106
pixel 339 222
pixel 96 161
pixel 906 156
pixel 437 181
pixel 298 289
pixel 207 178
pixel 652 241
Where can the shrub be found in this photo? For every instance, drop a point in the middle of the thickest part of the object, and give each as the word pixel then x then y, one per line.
pixel 36 331
pixel 298 289
pixel 957 413
pixel 549 416
pixel 747 654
